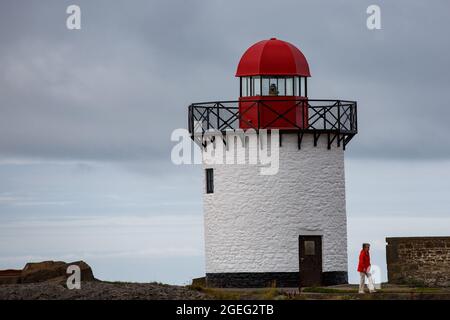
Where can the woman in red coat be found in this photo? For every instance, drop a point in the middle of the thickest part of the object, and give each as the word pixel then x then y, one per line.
pixel 364 269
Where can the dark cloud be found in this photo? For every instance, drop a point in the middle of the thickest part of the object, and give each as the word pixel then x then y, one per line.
pixel 117 88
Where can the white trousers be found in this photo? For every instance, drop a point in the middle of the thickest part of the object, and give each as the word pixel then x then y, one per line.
pixel 363 280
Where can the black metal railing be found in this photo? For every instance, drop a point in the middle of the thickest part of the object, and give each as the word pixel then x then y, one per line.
pixel 336 118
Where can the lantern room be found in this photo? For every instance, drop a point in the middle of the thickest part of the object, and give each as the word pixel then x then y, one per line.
pixel 273 86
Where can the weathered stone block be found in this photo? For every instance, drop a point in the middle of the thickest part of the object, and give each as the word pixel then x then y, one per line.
pixel 418 260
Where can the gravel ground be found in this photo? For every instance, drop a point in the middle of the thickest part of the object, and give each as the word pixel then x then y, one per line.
pixel 98 290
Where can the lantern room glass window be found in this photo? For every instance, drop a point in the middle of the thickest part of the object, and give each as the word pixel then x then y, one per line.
pixel 290 86
pixel 265 86
pixel 273 86
pixel 297 89
pixel 256 82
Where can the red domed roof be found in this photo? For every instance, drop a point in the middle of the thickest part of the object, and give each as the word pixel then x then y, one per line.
pixel 273 57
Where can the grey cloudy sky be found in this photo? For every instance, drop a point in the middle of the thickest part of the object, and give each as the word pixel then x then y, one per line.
pixel 86 118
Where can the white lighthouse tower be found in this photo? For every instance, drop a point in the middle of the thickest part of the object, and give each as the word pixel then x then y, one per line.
pixel 287 229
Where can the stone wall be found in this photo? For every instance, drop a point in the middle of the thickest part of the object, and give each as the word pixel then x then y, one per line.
pixel 419 261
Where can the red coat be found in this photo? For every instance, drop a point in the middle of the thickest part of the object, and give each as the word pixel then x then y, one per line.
pixel 364 261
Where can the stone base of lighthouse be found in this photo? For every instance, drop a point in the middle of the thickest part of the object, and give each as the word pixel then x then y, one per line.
pixel 267 279
pixel 254 223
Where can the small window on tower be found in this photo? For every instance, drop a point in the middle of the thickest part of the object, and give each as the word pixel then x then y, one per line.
pixel 289 86
pixel 296 87
pixel 303 86
pixel 244 86
pixel 265 86
pixel 209 180
pixel 256 86
pixel 281 82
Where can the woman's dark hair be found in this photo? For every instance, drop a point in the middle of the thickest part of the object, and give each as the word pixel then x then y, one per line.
pixel 366 244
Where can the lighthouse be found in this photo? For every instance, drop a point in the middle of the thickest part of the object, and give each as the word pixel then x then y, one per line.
pixel 286 229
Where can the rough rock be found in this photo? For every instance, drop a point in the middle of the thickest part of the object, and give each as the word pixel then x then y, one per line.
pixel 10 276
pixel 52 271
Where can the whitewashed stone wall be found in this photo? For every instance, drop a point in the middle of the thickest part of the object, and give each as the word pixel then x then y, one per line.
pixel 253 221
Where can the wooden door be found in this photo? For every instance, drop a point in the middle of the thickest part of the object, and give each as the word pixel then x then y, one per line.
pixel 310 256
